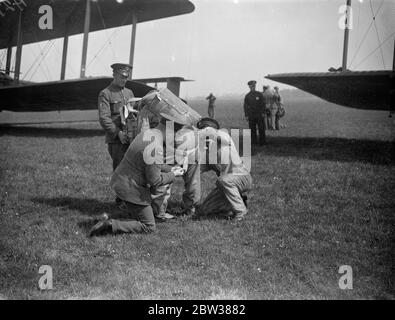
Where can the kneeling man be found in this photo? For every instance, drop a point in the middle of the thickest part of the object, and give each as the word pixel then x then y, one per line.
pixel 228 198
pixel 133 181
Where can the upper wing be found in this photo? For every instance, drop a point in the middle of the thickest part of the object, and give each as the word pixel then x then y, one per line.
pixel 68 16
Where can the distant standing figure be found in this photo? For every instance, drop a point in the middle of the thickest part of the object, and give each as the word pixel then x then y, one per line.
pixel 267 98
pixel 269 106
pixel 211 100
pixel 278 109
pixel 254 107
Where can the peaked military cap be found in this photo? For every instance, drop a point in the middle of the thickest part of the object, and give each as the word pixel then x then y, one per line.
pixel 252 82
pixel 122 68
pixel 208 122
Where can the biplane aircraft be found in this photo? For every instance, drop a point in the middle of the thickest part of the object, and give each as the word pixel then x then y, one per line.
pixel 372 90
pixel 19 26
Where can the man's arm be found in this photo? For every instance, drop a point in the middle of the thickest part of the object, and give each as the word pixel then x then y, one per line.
pixel 105 116
pixel 155 177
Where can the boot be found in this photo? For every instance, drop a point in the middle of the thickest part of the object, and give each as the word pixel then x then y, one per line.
pixel 100 228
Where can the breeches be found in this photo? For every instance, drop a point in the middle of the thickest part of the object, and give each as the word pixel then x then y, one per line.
pixel 135 219
pixel 160 197
pixel 192 192
pixel 227 195
pixel 253 123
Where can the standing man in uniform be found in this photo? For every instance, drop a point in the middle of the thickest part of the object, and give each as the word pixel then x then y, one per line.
pixel 254 107
pixel 111 102
pixel 211 100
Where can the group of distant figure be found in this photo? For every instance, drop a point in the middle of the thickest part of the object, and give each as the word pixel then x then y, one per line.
pixel 262 110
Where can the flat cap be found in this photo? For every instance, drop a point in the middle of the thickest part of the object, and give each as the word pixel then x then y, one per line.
pixel 122 68
pixel 252 82
pixel 208 122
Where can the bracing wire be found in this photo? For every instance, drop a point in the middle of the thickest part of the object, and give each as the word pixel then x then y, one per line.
pixel 2 59
pixel 359 17
pixel 366 33
pixel 31 66
pixel 38 57
pixel 59 53
pixel 379 47
pixel 46 66
pixel 105 29
pixel 42 58
pixel 112 35
pixel 377 32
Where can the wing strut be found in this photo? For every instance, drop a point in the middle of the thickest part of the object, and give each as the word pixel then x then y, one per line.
pixel 86 37
pixel 133 42
pixel 19 44
pixel 346 32
pixel 8 63
pixel 393 59
pixel 64 56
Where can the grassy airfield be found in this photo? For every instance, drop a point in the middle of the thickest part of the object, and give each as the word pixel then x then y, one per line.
pixel 323 197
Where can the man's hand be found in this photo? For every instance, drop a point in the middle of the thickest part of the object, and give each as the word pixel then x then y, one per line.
pixel 123 137
pixel 178 171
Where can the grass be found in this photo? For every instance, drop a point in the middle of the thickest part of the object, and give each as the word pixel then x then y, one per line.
pixel 322 197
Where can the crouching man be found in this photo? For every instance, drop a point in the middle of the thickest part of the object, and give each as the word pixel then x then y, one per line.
pixel 228 198
pixel 133 180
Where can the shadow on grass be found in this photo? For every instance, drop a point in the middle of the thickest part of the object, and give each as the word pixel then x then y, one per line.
pixel 89 207
pixel 333 149
pixel 50 132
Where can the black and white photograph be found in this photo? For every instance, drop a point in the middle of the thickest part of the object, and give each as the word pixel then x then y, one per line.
pixel 197 155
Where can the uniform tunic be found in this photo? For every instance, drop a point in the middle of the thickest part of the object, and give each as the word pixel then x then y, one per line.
pixel 133 182
pixel 254 107
pixel 110 102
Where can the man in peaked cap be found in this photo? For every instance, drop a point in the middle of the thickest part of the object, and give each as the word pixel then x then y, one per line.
pixel 254 107
pixel 112 100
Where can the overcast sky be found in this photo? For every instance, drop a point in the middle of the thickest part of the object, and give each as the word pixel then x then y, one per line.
pixel 225 43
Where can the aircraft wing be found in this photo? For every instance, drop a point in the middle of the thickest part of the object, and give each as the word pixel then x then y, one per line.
pixel 80 94
pixel 68 16
pixel 355 89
